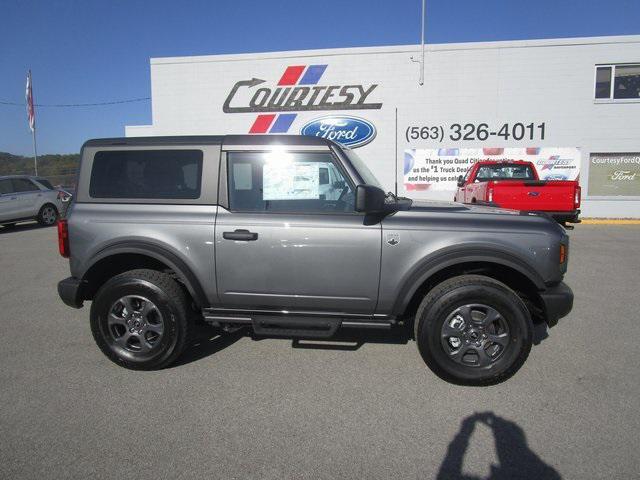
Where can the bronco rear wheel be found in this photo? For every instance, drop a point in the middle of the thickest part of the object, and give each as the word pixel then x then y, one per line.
pixel 473 330
pixel 139 319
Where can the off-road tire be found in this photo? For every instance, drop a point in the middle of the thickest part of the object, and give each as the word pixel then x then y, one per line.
pixel 171 301
pixel 471 289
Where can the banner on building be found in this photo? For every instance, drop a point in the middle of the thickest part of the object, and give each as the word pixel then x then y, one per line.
pixel 614 174
pixel 439 168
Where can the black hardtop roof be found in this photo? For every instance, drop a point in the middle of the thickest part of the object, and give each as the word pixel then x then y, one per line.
pixel 227 140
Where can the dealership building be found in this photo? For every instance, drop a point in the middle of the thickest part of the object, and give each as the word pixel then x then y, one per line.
pixel 571 106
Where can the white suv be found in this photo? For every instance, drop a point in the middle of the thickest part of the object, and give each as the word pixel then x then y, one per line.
pixel 28 198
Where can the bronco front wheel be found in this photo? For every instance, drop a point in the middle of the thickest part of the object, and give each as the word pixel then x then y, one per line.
pixel 473 330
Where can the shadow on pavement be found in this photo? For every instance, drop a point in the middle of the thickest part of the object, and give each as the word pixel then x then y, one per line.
pixel 207 341
pixel 516 459
pixel 23 227
pixel 350 340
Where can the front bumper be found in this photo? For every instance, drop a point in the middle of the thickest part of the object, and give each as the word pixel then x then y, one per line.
pixel 557 302
pixel 69 291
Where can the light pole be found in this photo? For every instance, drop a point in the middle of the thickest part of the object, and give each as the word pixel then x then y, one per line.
pixel 421 59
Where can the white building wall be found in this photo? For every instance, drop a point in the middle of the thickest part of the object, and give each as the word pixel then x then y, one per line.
pixel 550 81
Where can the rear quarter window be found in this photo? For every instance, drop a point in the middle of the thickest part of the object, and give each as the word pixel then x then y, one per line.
pixel 146 174
pixel 45 183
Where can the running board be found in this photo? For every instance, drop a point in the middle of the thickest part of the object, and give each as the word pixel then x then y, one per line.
pixel 298 326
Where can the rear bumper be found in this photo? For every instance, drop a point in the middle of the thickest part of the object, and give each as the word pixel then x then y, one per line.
pixel 570 216
pixel 69 291
pixel 557 302
pixel 562 217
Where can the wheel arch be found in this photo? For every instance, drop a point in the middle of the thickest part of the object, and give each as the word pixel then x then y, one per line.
pixel 499 265
pixel 124 256
pixel 48 202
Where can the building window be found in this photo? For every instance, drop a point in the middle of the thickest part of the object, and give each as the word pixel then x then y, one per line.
pixel 617 82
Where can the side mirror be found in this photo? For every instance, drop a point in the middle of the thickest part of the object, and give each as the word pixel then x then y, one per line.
pixel 461 181
pixel 369 199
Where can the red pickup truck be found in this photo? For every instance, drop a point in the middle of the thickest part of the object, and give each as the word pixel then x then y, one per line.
pixel 516 185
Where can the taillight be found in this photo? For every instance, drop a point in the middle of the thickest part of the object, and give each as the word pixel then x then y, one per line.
pixel 490 195
pixel 576 200
pixel 63 237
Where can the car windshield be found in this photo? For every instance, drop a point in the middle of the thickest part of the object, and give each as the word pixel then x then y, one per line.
pixel 509 171
pixel 368 177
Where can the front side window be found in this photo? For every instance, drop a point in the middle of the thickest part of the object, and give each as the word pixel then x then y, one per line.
pixel 468 172
pixel 293 182
pixel 504 172
pixel 359 164
pixel 146 174
pixel 617 82
pixel 23 185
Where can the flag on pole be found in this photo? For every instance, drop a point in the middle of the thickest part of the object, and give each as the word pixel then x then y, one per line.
pixel 31 113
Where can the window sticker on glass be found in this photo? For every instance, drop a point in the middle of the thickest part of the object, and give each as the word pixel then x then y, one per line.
pixel 290 181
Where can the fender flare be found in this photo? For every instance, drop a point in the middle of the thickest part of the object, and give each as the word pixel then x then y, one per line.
pixel 156 252
pixel 452 256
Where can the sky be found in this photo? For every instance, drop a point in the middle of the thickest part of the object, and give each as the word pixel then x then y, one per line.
pixel 90 51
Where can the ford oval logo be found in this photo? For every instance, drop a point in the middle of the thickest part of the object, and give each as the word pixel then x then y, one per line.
pixel 348 131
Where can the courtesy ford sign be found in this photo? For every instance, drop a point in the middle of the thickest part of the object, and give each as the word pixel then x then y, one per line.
pixel 349 131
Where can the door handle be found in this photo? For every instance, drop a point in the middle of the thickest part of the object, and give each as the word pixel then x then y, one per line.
pixel 240 235
pixel 14 198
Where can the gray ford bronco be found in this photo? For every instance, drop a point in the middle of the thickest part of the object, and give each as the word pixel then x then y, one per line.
pixel 294 236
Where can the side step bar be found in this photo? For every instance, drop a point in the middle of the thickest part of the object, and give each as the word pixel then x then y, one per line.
pixel 298 326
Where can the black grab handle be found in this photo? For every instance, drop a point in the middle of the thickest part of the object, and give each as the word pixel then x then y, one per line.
pixel 240 235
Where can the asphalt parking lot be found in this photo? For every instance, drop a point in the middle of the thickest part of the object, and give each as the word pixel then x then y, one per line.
pixel 235 407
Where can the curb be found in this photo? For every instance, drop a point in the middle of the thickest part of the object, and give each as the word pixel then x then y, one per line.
pixel 610 221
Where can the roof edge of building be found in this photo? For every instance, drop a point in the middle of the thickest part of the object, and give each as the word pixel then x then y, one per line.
pixel 551 42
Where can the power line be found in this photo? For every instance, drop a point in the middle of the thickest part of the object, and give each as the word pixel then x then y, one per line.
pixel 70 105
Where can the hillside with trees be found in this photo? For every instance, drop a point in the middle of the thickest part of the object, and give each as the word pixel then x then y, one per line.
pixel 59 169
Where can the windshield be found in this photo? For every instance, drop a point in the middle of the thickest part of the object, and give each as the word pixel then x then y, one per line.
pixel 368 177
